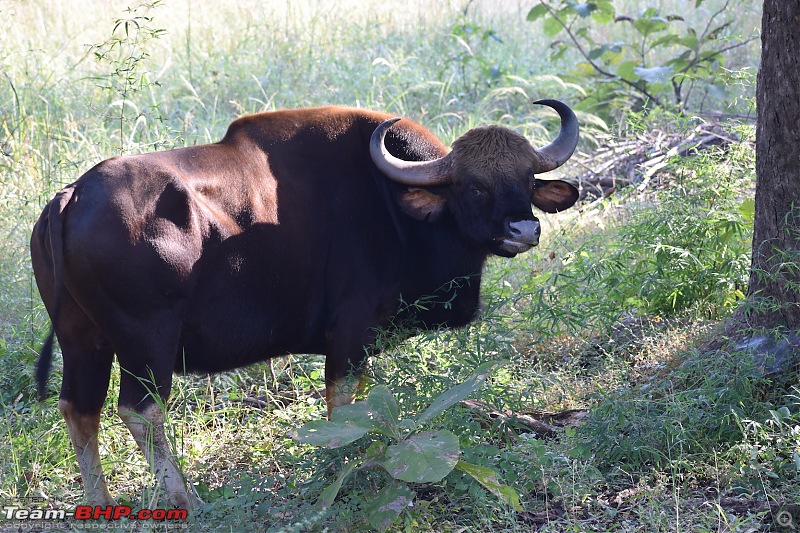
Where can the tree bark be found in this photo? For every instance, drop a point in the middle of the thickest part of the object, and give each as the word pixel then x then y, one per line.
pixel 773 297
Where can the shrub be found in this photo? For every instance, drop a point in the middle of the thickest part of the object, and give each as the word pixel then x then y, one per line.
pixel 683 249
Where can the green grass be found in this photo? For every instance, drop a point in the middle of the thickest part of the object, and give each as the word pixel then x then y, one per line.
pixel 609 314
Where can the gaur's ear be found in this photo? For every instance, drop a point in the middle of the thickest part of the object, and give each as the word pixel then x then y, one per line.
pixel 552 196
pixel 422 204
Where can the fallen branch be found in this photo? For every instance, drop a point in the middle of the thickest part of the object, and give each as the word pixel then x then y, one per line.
pixel 545 425
pixel 640 161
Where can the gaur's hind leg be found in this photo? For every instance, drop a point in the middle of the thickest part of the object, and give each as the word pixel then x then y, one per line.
pixel 83 429
pixel 87 367
pixel 147 427
pixel 145 376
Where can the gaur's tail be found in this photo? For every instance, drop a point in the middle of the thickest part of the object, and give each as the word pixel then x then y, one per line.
pixel 43 364
pixel 51 238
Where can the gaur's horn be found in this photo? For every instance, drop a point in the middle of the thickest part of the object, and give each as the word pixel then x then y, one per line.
pixel 557 152
pixel 418 173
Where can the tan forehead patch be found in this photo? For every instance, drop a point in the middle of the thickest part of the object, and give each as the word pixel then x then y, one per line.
pixel 493 149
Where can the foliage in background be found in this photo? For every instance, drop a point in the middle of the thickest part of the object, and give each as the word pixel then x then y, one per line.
pixel 682 249
pixel 770 443
pixel 124 55
pixel 661 62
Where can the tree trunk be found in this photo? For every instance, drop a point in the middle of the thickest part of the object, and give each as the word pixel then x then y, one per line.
pixel 773 296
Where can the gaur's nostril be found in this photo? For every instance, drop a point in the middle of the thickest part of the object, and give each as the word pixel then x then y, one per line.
pixel 524 230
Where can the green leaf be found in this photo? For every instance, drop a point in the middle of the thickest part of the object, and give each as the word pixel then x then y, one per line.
pixel 681 63
pixel 328 495
pixel 423 458
pixel 407 424
pixel 625 70
pixel 648 13
pixel 383 404
pixel 654 74
pixel 378 413
pixel 375 450
pixel 583 69
pixel 584 10
pixel 551 27
pixel 329 434
pixel 537 12
pixel 605 13
pixel 560 50
pixel 748 209
pixel 488 478
pixel 650 23
pixel 666 40
pixel 458 393
pixel 597 52
pixel 583 33
pixel 780 415
pixel 612 50
pixel 385 507
pixel 690 39
pixel 357 414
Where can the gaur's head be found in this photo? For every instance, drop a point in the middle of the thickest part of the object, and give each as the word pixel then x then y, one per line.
pixel 488 182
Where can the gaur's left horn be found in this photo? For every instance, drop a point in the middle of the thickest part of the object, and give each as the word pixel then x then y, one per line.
pixel 557 152
pixel 417 173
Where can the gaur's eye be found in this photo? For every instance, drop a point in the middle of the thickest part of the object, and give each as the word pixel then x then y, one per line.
pixel 477 191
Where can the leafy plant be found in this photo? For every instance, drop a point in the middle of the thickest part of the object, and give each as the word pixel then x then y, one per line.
pixel 770 446
pixel 414 455
pixel 687 251
pixel 125 53
pixel 470 38
pixel 663 55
